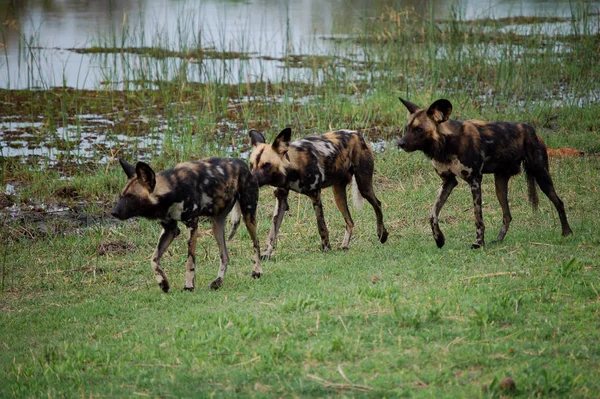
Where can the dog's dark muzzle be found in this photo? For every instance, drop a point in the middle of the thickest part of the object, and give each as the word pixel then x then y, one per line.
pixel 260 177
pixel 405 146
pixel 119 213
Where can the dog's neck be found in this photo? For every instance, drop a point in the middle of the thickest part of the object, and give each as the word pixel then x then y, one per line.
pixel 162 198
pixel 447 143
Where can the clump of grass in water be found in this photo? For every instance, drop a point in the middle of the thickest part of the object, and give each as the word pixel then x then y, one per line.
pixel 498 65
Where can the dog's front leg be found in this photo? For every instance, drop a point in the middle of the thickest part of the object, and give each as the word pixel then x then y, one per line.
pixel 475 184
pixel 170 231
pixel 218 227
pixel 281 207
pixel 250 221
pixel 448 184
pixel 190 264
pixel 318 206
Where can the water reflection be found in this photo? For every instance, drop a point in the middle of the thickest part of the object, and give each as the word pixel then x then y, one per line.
pixel 37 33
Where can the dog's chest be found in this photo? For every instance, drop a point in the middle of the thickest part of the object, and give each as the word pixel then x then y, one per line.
pixel 175 211
pixel 202 205
pixel 311 180
pixel 454 167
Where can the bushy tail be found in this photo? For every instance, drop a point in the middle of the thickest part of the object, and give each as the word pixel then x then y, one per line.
pixel 234 217
pixel 536 158
pixel 357 198
pixel 534 200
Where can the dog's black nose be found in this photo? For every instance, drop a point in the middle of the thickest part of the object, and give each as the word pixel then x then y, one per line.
pixel 401 144
pixel 114 214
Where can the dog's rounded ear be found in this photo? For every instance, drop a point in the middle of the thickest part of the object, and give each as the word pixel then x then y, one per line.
pixel 256 138
pixel 412 108
pixel 282 141
pixel 145 175
pixel 128 168
pixel 440 111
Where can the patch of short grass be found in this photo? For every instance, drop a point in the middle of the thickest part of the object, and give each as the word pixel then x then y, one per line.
pixel 400 319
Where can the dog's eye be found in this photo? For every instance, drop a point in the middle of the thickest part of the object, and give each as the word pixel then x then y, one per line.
pixel 266 165
pixel 417 129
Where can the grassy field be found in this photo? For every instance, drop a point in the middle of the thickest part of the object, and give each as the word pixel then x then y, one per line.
pixel 81 314
pixel 403 318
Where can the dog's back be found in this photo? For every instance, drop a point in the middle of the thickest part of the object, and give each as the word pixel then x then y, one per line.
pixel 336 155
pixel 208 187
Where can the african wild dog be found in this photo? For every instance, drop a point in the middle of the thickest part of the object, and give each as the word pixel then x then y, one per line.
pixel 210 187
pixel 472 148
pixel 310 164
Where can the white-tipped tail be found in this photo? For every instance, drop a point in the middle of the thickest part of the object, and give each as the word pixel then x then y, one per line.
pixel 358 199
pixel 234 217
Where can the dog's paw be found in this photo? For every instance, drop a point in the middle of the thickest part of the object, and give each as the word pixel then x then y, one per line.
pixel 325 247
pixel 384 236
pixel 164 285
pixel 477 245
pixel 188 289
pixel 256 275
pixel 440 240
pixel 567 232
pixel 265 256
pixel 218 283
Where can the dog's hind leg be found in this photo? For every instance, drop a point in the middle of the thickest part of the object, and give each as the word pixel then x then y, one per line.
pixel 446 188
pixel 341 200
pixel 323 232
pixel 542 176
pixel 218 228
pixel 364 181
pixel 281 207
pixel 170 231
pixel 475 184
pixel 190 264
pixel 501 183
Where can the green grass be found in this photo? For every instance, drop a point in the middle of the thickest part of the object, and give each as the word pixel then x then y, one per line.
pixel 400 319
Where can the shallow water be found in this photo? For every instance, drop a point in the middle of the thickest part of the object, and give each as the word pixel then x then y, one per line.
pixel 37 34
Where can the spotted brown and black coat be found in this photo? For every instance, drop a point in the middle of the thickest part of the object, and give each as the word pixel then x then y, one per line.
pixel 311 164
pixel 473 148
pixel 211 187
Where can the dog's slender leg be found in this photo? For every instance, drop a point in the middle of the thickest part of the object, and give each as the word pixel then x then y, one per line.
pixel 190 264
pixel 170 231
pixel 542 176
pixel 250 222
pixel 281 207
pixel 446 188
pixel 341 200
pixel 364 181
pixel 318 206
pixel 248 203
pixel 218 228
pixel 501 182
pixel 475 184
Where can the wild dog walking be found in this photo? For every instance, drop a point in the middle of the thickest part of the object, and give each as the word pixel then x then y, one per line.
pixel 472 148
pixel 211 187
pixel 310 164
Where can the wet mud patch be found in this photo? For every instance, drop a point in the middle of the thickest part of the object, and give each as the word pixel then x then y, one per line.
pixel 39 221
pixel 115 248
pixel 6 201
